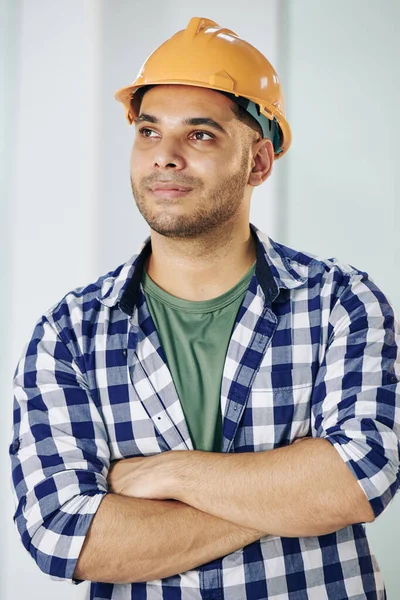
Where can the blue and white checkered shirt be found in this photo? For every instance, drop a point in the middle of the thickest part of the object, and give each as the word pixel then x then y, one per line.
pixel 314 352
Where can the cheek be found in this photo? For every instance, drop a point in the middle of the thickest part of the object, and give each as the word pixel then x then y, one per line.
pixel 204 167
pixel 220 164
pixel 135 157
pixel 136 164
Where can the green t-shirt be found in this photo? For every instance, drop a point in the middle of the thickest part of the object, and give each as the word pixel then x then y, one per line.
pixel 195 338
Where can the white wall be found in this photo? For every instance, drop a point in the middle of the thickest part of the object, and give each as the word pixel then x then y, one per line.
pixel 67 213
pixel 343 90
pixel 7 123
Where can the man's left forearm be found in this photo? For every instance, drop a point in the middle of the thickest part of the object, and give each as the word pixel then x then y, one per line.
pixel 295 491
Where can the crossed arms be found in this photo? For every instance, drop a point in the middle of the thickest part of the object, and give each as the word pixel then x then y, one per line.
pixel 220 503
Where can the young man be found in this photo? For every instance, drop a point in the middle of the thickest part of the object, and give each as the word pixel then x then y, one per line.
pixel 219 416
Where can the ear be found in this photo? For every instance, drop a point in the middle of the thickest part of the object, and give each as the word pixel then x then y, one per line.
pixel 262 161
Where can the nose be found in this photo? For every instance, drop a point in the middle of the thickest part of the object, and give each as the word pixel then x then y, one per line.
pixel 168 155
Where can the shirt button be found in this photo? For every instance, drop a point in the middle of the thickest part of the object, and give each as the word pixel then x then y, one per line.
pixel 16 445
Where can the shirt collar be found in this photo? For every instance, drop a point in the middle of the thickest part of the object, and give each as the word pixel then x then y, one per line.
pixel 274 271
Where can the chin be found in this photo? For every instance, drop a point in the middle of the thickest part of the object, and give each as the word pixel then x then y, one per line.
pixel 184 229
pixel 172 230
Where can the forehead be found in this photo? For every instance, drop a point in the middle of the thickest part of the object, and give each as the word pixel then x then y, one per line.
pixel 167 100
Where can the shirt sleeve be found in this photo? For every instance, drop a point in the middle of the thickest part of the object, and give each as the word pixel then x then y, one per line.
pixel 356 397
pixel 59 454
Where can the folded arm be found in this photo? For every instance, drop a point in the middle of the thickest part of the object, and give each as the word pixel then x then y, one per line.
pixel 300 490
pixel 297 491
pixel 132 540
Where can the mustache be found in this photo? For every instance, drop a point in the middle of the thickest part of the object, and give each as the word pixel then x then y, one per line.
pixel 151 180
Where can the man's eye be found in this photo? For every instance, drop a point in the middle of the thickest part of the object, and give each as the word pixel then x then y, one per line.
pixel 146 132
pixel 199 136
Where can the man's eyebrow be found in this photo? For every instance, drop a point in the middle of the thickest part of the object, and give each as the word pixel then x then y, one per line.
pixel 145 117
pixel 194 121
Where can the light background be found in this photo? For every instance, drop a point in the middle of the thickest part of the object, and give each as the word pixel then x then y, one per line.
pixel 66 209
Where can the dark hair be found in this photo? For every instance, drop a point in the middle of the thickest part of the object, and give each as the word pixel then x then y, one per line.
pixel 136 101
pixel 242 115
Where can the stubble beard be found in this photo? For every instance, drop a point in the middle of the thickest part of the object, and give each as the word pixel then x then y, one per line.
pixel 214 209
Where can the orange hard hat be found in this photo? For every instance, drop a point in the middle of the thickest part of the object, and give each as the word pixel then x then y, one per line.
pixel 207 55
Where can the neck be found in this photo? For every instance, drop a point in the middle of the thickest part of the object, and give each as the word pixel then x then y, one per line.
pixel 204 267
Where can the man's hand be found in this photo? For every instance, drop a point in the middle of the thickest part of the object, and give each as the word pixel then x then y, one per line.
pixel 151 477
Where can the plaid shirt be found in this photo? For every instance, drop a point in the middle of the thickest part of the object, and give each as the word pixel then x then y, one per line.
pixel 314 352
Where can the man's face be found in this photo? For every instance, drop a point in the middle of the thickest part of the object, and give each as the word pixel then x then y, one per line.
pixel 190 161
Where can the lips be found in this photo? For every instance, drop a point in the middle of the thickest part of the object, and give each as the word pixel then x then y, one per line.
pixel 168 189
pixel 170 186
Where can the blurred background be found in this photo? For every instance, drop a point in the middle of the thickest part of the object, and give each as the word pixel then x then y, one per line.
pixel 66 209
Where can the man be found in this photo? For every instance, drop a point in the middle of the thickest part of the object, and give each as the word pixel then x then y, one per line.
pixel 218 417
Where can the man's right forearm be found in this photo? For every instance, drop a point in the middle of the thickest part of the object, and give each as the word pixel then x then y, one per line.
pixel 132 540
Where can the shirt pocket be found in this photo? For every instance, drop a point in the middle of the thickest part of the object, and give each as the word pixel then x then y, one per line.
pixel 280 406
